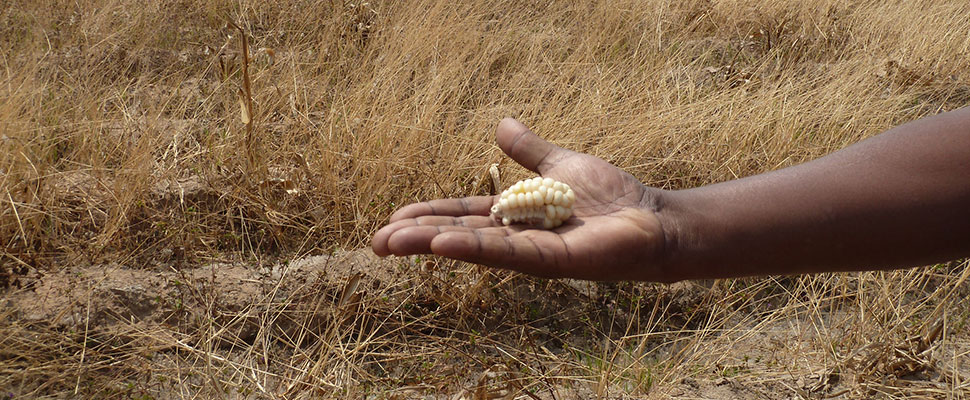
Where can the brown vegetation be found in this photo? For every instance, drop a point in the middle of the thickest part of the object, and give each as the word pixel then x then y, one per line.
pixel 141 148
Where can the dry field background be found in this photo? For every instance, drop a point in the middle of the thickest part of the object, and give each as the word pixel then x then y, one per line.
pixel 179 217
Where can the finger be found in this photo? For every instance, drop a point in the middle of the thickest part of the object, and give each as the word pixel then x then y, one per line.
pixel 417 239
pixel 475 205
pixel 379 243
pixel 520 252
pixel 525 147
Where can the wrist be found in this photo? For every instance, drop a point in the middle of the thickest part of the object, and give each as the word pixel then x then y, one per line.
pixel 676 225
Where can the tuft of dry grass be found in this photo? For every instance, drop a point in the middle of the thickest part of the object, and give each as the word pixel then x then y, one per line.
pixel 142 138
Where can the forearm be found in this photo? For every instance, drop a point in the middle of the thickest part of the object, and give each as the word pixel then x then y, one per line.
pixel 899 199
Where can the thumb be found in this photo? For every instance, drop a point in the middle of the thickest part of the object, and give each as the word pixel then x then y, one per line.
pixel 526 148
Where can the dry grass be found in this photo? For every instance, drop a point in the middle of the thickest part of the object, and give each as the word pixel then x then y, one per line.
pixel 122 143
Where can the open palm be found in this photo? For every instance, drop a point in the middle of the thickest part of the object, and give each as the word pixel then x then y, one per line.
pixel 614 233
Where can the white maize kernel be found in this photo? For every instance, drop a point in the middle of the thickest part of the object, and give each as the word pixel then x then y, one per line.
pixel 541 202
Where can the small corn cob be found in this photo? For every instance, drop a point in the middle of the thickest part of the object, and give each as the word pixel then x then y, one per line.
pixel 537 201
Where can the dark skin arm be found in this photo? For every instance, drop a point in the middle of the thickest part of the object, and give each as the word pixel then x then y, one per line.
pixel 899 199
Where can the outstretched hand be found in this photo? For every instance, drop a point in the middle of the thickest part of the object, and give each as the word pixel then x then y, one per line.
pixel 614 233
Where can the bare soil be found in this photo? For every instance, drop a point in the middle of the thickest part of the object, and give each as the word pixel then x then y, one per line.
pixel 224 313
